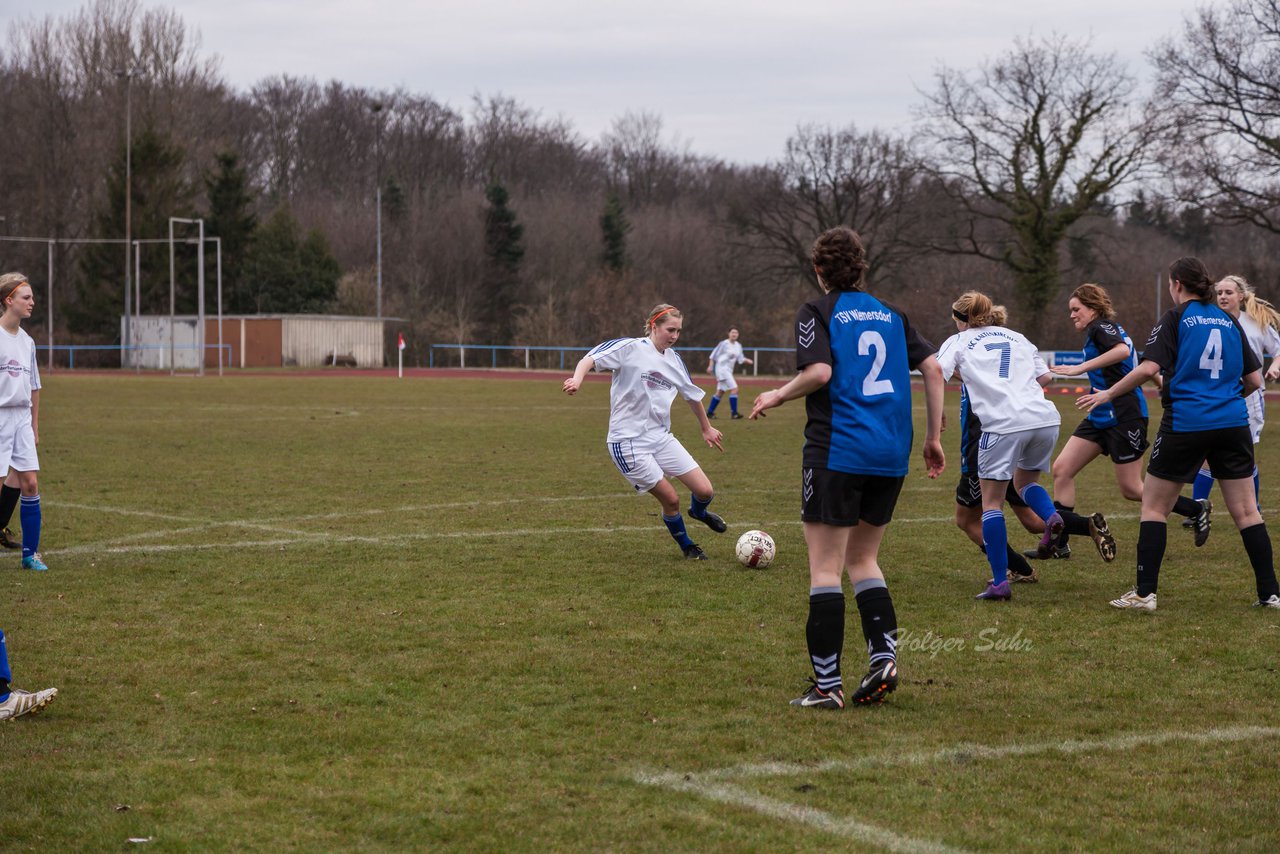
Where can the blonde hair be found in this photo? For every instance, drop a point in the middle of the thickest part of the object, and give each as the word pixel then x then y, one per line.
pixel 975 308
pixel 1095 297
pixel 1262 312
pixel 660 311
pixel 9 283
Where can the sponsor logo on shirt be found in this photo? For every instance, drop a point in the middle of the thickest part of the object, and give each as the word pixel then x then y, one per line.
pixel 653 380
pixel 852 315
pixel 14 368
pixel 1200 320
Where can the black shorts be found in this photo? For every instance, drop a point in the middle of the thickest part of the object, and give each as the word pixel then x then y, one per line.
pixel 969 493
pixel 842 499
pixel 1177 456
pixel 1123 443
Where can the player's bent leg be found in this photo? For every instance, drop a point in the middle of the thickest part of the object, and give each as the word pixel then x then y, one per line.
pixel 701 495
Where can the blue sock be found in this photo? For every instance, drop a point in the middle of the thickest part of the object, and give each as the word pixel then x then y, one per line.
pixel 675 524
pixel 698 507
pixel 996 538
pixel 1204 483
pixel 5 675
pixel 733 404
pixel 1038 499
pixel 29 515
pixel 715 401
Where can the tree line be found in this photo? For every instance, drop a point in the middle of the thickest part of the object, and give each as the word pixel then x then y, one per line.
pixel 1029 173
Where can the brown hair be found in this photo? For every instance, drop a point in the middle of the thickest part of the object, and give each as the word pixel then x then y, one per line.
pixel 1194 277
pixel 1095 297
pixel 9 283
pixel 840 259
pixel 975 308
pixel 658 312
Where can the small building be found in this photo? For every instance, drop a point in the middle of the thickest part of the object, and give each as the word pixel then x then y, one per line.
pixel 256 341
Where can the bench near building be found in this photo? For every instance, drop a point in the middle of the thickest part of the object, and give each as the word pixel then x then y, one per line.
pixel 256 341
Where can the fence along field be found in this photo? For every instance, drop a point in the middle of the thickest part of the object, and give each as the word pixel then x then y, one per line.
pixel 306 613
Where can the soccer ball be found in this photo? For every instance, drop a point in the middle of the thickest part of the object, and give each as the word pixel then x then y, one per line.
pixel 755 549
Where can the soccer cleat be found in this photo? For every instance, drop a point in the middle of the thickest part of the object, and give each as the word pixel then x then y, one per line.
pixel 1272 601
pixel 819 699
pixel 1202 522
pixel 1052 531
pixel 735 416
pixel 711 520
pixel 878 683
pixel 1056 553
pixel 1133 602
pixel 1189 522
pixel 692 552
pixel 1018 578
pixel 711 416
pixel 998 592
pixel 9 539
pixel 21 702
pixel 34 562
pixel 1102 537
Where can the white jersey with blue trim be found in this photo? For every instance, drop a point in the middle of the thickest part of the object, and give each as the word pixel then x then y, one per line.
pixel 19 374
pixel 1000 368
pixel 645 384
pixel 725 356
pixel 1264 341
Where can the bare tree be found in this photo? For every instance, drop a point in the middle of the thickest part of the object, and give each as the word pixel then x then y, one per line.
pixel 831 177
pixel 1026 146
pixel 1221 81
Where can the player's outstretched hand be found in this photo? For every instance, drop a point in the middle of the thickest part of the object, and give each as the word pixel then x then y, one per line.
pixel 713 437
pixel 767 400
pixel 934 458
pixel 1091 401
pixel 571 385
pixel 1066 370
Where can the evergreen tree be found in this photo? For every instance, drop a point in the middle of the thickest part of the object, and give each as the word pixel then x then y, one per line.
pixel 503 299
pixel 614 228
pixel 287 272
pixel 231 218
pixel 159 191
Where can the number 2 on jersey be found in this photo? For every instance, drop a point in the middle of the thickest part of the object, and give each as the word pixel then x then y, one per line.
pixel 872 385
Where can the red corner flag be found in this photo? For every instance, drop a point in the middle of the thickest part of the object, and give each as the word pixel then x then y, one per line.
pixel 401 343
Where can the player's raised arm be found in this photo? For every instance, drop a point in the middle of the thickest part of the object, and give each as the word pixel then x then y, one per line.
pixel 585 366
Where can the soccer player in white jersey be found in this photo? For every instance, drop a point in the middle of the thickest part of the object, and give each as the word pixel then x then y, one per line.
pixel 1261 324
pixel 647 376
pixel 20 409
pixel 1005 378
pixel 721 362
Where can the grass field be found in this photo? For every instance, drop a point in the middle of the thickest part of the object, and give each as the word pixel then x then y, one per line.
pixel 316 614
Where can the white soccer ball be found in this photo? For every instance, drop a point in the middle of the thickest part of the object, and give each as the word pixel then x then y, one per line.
pixel 755 549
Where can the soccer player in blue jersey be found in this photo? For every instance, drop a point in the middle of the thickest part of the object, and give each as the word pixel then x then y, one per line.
pixel 1208 368
pixel 647 375
pixel 854 354
pixel 1117 430
pixel 1005 378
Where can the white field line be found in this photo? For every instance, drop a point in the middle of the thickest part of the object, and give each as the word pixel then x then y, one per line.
pixel 712 785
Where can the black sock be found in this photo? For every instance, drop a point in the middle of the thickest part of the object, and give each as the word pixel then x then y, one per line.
pixel 825 634
pixel 1151 543
pixel 1258 546
pixel 1017 563
pixel 1072 523
pixel 1185 506
pixel 8 501
pixel 879 623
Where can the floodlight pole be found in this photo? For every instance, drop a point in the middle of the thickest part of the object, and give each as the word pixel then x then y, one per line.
pixel 376 107
pixel 49 310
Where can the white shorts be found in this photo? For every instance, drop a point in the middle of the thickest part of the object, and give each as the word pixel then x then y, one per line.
pixel 1257 406
pixel 1030 450
pixel 725 381
pixel 17 440
pixel 644 462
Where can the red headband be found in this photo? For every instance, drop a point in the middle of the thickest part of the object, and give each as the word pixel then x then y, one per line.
pixel 654 319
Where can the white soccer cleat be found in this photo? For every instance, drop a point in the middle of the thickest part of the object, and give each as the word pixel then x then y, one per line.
pixel 1272 601
pixel 1132 601
pixel 21 702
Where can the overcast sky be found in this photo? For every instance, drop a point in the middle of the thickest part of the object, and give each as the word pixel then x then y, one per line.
pixel 731 78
